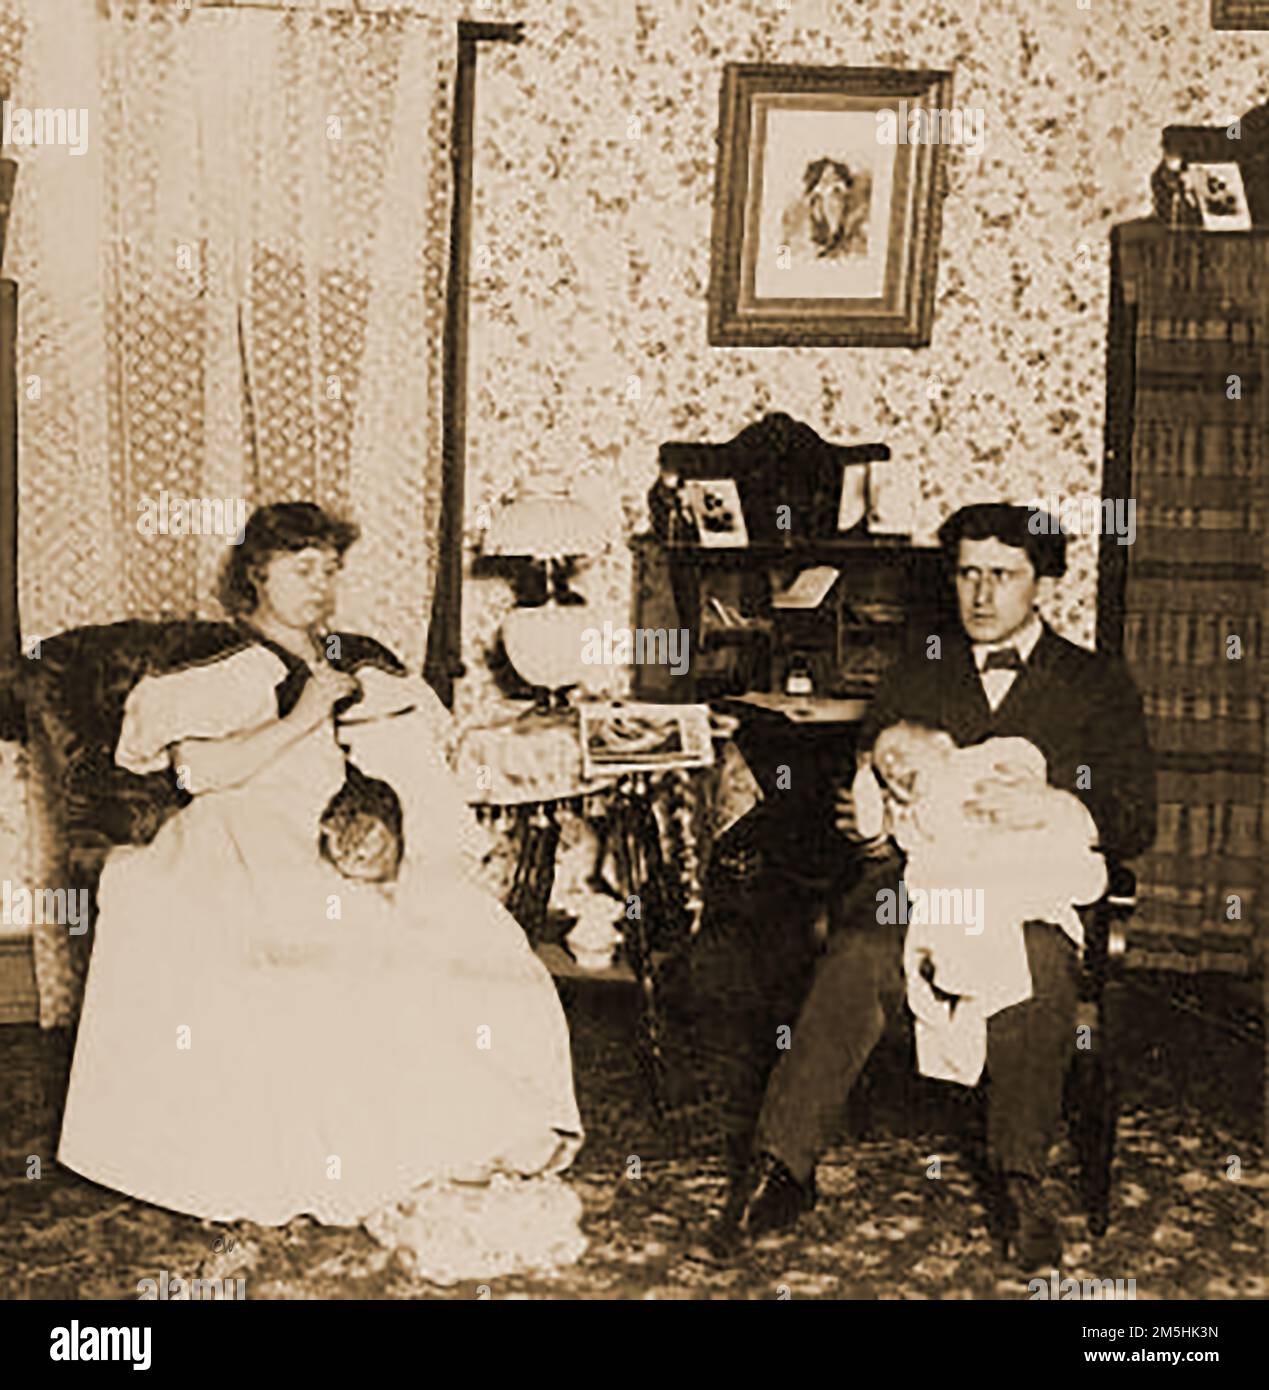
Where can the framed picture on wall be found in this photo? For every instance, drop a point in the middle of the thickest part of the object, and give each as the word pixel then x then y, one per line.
pixel 827 205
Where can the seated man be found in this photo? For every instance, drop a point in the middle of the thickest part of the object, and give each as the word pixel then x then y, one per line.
pixel 1005 674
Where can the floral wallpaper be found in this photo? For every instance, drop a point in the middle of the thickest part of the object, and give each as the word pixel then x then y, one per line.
pixel 594 178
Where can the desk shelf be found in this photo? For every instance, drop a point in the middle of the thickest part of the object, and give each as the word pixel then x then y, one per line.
pixel 674 580
pixel 801 552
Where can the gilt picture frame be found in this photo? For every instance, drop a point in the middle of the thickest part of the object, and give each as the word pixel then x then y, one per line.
pixel 825 231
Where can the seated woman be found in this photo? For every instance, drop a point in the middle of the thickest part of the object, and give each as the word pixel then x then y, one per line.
pixel 265 1035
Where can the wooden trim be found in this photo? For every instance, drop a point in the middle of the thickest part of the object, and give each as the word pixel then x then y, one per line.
pixel 443 664
pixel 1121 363
pixel 10 619
pixel 479 31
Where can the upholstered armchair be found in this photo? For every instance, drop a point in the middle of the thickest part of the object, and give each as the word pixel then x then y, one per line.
pixel 73 693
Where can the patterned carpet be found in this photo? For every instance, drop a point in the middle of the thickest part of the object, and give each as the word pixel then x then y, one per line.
pixel 1189 1216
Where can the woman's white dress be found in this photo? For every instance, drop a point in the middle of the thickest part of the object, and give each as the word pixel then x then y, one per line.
pixel 262 1037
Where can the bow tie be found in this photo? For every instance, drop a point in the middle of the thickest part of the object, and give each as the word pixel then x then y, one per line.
pixel 1003 659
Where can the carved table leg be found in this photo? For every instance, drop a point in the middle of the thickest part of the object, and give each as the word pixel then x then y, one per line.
pixel 653 916
pixel 535 868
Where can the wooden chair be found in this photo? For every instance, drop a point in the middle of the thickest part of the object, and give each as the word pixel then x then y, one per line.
pixel 1092 1099
pixel 1091 1092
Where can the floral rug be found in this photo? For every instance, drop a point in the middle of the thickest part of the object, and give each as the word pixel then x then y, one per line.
pixel 1188 1220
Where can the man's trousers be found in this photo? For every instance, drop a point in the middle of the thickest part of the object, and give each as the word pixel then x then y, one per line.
pixel 859 983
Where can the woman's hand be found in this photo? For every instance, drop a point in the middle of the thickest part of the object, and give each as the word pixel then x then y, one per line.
pixel 1016 770
pixel 217 764
pixel 324 688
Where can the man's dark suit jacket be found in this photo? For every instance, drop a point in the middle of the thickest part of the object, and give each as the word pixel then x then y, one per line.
pixel 1080 708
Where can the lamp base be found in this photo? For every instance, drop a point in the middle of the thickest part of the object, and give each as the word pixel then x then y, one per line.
pixel 548 646
pixel 553 701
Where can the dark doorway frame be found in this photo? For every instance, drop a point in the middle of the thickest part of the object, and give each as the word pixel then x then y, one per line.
pixel 443 664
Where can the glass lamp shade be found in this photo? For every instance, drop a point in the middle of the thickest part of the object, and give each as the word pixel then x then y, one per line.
pixel 545 644
pixel 546 527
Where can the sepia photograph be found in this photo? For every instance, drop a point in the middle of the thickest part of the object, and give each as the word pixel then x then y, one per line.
pixel 633 665
pixel 620 737
pixel 1218 191
pixel 716 508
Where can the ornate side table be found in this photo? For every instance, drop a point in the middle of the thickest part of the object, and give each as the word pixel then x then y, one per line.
pixel 634 851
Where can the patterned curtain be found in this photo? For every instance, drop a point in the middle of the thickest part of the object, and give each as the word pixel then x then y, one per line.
pixel 1194 629
pixel 236 293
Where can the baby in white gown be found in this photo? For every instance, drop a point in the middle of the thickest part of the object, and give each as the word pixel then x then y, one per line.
pixel 920 788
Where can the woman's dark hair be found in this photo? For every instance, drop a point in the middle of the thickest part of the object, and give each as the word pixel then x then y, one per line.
pixel 292 526
pixel 1032 529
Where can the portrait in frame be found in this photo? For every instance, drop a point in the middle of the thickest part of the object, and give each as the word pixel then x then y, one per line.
pixel 1218 191
pixel 827 210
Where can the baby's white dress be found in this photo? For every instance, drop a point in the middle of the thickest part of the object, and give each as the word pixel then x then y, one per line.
pixel 1038 874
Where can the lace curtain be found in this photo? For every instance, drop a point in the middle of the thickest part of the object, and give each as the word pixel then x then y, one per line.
pixel 236 293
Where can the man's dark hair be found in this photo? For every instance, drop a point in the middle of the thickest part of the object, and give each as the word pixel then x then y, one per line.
pixel 1025 528
pixel 292 526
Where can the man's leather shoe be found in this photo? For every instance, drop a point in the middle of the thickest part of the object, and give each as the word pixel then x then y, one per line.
pixel 769 1199
pixel 1031 1234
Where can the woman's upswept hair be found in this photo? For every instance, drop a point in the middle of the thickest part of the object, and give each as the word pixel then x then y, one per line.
pixel 289 526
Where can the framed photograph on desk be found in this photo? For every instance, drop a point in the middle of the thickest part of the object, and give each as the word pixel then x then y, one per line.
pixel 1222 201
pixel 714 504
